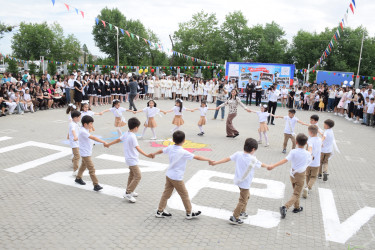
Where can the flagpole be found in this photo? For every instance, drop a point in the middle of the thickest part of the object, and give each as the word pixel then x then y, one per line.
pixel 118 55
pixel 359 62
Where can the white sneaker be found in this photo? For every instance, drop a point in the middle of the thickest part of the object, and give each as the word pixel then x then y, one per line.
pixel 193 215
pixel 22 113
pixel 356 122
pixel 267 145
pixel 153 138
pixel 335 113
pixel 350 119
pixel 305 192
pixel 134 194
pixel 129 197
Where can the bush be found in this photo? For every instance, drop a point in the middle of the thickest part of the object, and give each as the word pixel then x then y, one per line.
pixel 12 67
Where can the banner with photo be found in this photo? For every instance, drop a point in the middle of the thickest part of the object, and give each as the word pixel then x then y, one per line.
pixel 265 73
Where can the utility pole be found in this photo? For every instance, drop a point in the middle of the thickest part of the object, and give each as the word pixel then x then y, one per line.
pixel 308 72
pixel 359 63
pixel 42 62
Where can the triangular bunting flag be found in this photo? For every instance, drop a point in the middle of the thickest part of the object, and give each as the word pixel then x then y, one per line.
pixel 127 32
pixel 145 40
pixel 83 15
pixel 122 31
pixel 137 37
pixel 67 6
pixel 103 23
pixel 338 33
pixel 97 20
pixel 346 19
pixel 76 10
pixel 351 7
pixel 110 26
pixel 53 2
pixel 132 35
pixel 342 27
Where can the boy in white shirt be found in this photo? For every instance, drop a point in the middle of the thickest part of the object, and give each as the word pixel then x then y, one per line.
pixel 290 124
pixel 300 159
pixel 328 142
pixel 73 138
pixel 314 145
pixel 178 158
pixel 85 150
pixel 370 111
pixel 246 163
pixel 131 151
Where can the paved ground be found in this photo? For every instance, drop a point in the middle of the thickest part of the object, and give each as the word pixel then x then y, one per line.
pixel 41 207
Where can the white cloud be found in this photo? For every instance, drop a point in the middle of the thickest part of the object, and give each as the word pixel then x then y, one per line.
pixel 163 16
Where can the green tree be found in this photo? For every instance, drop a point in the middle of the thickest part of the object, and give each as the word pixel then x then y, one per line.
pixel 272 46
pixel 12 66
pixel 52 67
pixel 5 29
pixel 200 37
pixel 132 50
pixel 35 40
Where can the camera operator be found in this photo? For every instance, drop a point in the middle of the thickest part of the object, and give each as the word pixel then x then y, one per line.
pixel 250 86
pixel 273 95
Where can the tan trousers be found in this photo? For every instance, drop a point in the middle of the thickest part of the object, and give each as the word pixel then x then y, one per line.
pixel 87 163
pixel 72 96
pixel 324 162
pixel 242 202
pixel 133 179
pixel 170 185
pixel 311 174
pixel 286 138
pixel 75 159
pixel 297 184
pixel 231 131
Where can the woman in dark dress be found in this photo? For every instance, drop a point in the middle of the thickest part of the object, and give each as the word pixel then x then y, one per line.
pixel 97 90
pixel 78 92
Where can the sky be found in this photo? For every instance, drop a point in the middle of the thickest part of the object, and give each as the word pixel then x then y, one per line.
pixel 164 16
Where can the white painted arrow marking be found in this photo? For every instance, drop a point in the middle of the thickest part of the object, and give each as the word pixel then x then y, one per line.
pixel 64 151
pixel 263 218
pixel 66 178
pixel 334 230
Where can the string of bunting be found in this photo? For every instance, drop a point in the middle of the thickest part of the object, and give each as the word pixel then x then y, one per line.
pixel 336 36
pixel 114 66
pixel 125 32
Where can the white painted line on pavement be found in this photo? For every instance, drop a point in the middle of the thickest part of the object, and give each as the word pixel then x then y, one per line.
pixel 4 138
pixel 334 230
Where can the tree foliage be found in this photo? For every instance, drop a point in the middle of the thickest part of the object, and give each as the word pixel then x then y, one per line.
pixel 5 29
pixel 35 40
pixel 12 67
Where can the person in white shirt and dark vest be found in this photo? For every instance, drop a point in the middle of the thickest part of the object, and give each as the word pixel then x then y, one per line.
pixel 272 102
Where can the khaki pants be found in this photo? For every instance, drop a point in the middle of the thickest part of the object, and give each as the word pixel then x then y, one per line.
pixel 242 202
pixel 134 179
pixel 231 131
pixel 71 95
pixel 297 184
pixel 311 174
pixel 87 163
pixel 324 162
pixel 75 159
pixel 170 185
pixel 286 138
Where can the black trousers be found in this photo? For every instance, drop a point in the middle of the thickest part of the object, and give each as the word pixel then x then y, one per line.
pixel 271 109
pixel 258 97
pixel 131 102
pixel 249 95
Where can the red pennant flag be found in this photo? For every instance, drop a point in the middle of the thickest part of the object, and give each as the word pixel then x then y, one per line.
pixel 163 67
pixel 342 27
pixel 352 76
pixel 334 36
pixel 351 7
pixel 103 23
pixel 373 78
pixel 127 32
pixel 83 15
pixel 124 67
pixel 145 40
pixel 357 76
pixel 67 6
pixel 193 67
pixel 208 67
pixel 74 64
pixel 313 70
